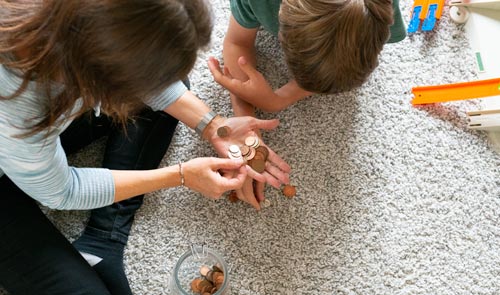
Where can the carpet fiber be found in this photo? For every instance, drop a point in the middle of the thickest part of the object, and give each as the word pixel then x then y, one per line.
pixel 392 199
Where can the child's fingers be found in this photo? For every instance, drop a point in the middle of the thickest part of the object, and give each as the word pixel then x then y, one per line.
pixel 259 191
pixel 265 124
pixel 233 85
pixel 214 67
pixel 255 175
pixel 227 72
pixel 247 68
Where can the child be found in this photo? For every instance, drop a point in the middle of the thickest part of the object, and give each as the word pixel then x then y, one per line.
pixel 329 46
pixel 74 71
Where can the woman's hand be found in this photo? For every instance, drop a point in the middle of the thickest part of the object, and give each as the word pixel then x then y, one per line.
pixel 203 176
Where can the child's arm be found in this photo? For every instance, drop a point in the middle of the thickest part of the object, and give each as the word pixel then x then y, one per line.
pixel 239 41
pixel 247 86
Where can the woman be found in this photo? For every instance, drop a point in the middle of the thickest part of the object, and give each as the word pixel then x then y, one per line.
pixel 74 71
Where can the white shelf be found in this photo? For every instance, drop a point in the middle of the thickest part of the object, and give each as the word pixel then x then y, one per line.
pixel 483 32
pixel 486 4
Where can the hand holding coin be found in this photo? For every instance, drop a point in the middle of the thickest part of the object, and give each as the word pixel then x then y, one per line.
pixel 266 165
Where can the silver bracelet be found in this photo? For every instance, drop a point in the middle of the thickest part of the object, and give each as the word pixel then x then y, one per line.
pixel 181 173
pixel 207 118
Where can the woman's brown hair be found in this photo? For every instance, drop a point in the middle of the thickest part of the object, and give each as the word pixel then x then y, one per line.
pixel 115 53
pixel 333 45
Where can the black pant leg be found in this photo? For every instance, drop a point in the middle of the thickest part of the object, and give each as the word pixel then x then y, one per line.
pixel 35 258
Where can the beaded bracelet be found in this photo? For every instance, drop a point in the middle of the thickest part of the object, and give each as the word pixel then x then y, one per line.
pixel 181 173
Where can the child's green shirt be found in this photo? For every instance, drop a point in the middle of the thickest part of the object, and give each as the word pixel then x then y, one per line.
pixel 255 13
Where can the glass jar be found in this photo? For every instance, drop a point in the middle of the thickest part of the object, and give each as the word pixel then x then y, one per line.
pixel 188 267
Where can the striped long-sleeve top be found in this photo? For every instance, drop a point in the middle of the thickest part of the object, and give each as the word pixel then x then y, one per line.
pixel 37 164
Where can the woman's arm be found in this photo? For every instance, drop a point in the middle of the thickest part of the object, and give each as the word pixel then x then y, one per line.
pixel 200 174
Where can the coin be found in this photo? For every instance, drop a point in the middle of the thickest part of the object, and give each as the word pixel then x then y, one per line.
pixel 204 270
pixel 258 165
pixel 263 150
pixel 289 191
pixel 266 203
pixel 223 131
pixel 259 156
pixel 245 150
pixel 251 154
pixel 216 268
pixel 218 278
pixel 206 286
pixel 234 152
pixel 234 149
pixel 252 141
pixel 195 285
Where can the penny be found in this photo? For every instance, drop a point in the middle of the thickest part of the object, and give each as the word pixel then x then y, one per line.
pixel 245 150
pixel 204 270
pixel 259 156
pixel 205 286
pixel 258 165
pixel 250 155
pixel 289 191
pixel 210 275
pixel 263 150
pixel 216 268
pixel 252 141
pixel 218 278
pixel 223 131
pixel 195 285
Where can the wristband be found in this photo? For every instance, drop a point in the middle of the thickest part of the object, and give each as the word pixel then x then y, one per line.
pixel 207 118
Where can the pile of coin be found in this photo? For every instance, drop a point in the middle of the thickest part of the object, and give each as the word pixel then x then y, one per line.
pixel 211 281
pixel 255 154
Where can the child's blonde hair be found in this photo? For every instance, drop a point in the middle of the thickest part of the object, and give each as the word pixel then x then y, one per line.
pixel 333 45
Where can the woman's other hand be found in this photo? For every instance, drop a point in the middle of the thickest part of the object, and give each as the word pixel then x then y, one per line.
pixel 202 175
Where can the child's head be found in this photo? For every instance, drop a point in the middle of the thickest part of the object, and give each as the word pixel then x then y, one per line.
pixel 116 52
pixel 333 45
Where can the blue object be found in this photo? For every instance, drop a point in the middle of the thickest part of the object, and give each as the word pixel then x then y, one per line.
pixel 415 19
pixel 430 20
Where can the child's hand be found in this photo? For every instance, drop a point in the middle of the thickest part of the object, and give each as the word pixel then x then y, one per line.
pixel 255 90
pixel 247 194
